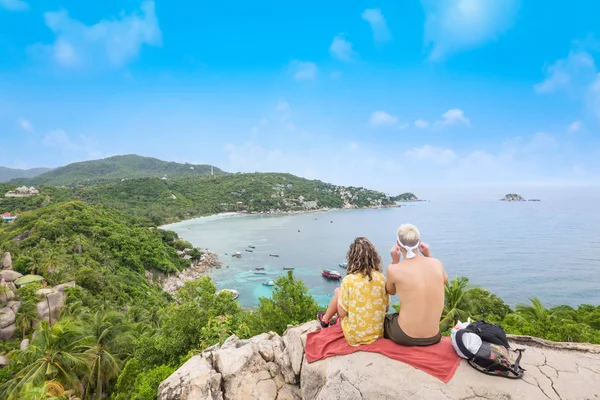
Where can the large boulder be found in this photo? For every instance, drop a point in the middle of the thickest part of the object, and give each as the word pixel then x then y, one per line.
pixel 9 275
pixel 7 261
pixel 8 333
pixel 6 294
pixel 7 317
pixel 272 367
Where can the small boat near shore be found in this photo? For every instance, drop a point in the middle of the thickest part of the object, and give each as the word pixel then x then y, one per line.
pixel 259 268
pixel 343 264
pixel 249 250
pixel 237 254
pixel 274 255
pixel 331 274
pixel 288 268
pixel 268 283
pixel 260 272
pixel 252 247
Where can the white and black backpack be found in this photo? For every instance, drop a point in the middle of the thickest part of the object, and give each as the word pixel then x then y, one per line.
pixel 486 348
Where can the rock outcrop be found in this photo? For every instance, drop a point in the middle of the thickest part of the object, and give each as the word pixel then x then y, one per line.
pixel 51 302
pixel 196 270
pixel 7 261
pixel 273 367
pixel 512 197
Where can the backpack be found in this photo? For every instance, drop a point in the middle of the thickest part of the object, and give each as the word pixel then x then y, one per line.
pixel 492 357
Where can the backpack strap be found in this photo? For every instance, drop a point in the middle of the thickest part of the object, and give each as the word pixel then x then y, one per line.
pixel 516 367
pixel 461 345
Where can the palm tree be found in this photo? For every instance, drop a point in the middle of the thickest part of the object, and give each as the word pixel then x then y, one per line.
pixel 52 260
pixel 107 344
pixel 26 317
pixel 538 316
pixel 456 304
pixel 51 355
pixel 35 260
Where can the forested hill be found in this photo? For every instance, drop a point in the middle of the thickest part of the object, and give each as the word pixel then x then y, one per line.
pixel 6 174
pixel 117 168
pixel 166 200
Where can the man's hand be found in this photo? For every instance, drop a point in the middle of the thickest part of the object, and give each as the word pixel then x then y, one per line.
pixel 395 253
pixel 424 249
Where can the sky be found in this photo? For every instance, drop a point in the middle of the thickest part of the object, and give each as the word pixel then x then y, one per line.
pixel 385 94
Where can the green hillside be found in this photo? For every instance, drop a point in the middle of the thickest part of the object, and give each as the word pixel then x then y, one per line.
pixel 116 168
pixel 170 200
pixel 7 174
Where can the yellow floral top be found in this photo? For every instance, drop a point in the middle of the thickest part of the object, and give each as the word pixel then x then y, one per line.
pixel 366 303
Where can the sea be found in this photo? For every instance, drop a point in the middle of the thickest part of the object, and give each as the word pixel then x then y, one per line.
pixel 517 250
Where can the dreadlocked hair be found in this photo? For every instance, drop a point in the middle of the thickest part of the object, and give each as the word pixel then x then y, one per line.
pixel 363 258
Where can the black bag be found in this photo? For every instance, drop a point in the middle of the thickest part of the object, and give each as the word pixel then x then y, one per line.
pixel 493 357
pixel 489 333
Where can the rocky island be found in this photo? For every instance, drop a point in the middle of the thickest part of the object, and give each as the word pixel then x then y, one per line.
pixel 512 197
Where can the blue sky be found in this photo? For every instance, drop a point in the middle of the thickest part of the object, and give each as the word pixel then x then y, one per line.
pixel 385 94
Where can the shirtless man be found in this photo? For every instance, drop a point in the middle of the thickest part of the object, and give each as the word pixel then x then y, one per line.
pixel 419 282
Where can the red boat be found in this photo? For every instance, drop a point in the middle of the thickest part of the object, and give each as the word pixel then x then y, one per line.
pixel 331 274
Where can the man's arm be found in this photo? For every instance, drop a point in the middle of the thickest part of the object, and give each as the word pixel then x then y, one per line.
pixel 390 287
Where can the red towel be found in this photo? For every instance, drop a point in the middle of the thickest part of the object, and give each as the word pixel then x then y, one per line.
pixel 439 360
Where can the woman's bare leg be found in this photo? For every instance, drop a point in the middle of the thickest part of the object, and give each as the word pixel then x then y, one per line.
pixel 333 305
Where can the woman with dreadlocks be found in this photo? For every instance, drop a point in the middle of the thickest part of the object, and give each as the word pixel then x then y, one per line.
pixel 362 301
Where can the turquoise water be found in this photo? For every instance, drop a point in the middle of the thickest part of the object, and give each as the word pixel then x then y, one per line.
pixel 549 249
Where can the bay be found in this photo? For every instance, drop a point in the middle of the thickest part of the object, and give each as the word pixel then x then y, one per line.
pixel 517 250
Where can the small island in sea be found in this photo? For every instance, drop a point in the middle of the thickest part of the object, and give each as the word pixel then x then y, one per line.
pixel 512 197
pixel 516 197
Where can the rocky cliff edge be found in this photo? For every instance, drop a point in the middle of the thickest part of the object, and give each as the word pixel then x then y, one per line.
pixel 273 367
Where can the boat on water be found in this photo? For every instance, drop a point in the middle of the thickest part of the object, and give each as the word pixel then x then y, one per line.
pixel 260 272
pixel 234 292
pixel 259 268
pixel 237 254
pixel 268 283
pixel 343 264
pixel 288 268
pixel 274 255
pixel 252 247
pixel 331 274
pixel 249 250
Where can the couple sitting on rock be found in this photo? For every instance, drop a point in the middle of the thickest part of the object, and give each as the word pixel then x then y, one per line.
pixel 362 301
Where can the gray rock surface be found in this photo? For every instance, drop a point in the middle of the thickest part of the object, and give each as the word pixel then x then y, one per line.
pixel 48 308
pixel 7 261
pixel 271 367
pixel 9 275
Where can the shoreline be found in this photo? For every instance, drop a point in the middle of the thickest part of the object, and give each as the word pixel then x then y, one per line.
pixel 288 212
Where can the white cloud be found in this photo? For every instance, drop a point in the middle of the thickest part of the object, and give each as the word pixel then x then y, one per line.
pixel 576 76
pixel 381 118
pixel 431 153
pixel 455 26
pixel 283 105
pixel 568 73
pixel 574 127
pixel 341 49
pixel 113 42
pixel 25 125
pixel 353 146
pixel 303 70
pixel 421 124
pixel 455 116
pixel 61 140
pixel 381 33
pixel 402 126
pixel 262 123
pixel 14 5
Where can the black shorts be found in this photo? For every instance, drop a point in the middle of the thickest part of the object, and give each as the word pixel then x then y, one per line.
pixel 392 330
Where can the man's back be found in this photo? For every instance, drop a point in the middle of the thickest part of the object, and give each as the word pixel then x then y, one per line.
pixel 419 283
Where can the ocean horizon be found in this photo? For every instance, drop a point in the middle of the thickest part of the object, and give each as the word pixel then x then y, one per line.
pixel 517 250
